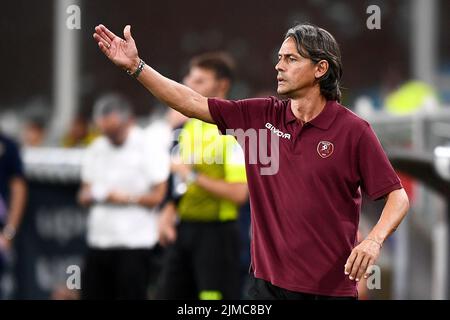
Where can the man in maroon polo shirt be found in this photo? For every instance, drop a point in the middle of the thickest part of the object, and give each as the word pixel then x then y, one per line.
pixel 307 160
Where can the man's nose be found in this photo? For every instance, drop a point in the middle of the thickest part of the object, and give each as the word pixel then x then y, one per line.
pixel 279 66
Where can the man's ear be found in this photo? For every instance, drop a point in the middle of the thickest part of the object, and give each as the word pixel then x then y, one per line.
pixel 321 68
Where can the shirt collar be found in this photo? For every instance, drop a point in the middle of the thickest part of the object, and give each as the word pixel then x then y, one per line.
pixel 323 120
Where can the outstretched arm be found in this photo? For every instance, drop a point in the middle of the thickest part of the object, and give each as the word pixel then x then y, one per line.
pixel 124 54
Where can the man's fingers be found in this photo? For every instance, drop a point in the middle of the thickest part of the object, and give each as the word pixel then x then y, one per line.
pixel 362 268
pixel 355 266
pixel 167 237
pixel 103 48
pixel 162 235
pixel 369 265
pixel 107 32
pixel 100 39
pixel 349 264
pixel 173 234
pixel 99 32
pixel 167 233
pixel 127 33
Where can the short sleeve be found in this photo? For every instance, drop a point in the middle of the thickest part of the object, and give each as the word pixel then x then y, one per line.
pixel 234 161
pixel 378 177
pixel 237 114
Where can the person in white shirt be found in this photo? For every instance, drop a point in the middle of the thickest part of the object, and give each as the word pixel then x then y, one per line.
pixel 124 177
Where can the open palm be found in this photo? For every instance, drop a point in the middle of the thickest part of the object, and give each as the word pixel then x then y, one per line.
pixel 122 52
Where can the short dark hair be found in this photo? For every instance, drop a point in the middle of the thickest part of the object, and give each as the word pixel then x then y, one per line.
pixel 318 44
pixel 221 63
pixel 112 103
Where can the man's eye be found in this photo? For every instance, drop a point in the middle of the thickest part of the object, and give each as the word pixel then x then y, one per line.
pixel 292 59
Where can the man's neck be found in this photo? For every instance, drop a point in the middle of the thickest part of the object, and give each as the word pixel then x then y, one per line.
pixel 308 107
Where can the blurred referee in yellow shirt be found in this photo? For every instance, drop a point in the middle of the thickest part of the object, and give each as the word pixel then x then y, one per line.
pixel 202 259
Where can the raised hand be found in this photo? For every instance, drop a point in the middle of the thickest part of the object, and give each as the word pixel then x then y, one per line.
pixel 122 53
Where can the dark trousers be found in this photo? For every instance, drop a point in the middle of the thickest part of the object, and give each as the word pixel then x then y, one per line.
pixel 121 274
pixel 203 263
pixel 263 290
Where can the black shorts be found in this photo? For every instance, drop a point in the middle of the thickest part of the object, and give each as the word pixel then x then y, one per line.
pixel 263 290
pixel 203 263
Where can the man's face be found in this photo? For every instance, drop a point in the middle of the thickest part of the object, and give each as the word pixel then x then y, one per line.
pixel 112 126
pixel 33 135
pixel 205 82
pixel 296 74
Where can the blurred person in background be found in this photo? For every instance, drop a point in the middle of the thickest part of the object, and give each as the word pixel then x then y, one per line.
pixel 79 134
pixel 34 132
pixel 305 211
pixel 123 181
pixel 13 196
pixel 203 256
pixel 411 97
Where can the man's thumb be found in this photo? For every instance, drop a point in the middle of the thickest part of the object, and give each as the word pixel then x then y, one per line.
pixel 127 33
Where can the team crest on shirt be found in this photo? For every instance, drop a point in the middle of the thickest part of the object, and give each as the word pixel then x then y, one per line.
pixel 325 149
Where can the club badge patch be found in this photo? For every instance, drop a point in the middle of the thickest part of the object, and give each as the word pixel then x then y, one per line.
pixel 325 149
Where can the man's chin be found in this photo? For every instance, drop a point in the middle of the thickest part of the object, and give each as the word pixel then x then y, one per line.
pixel 283 92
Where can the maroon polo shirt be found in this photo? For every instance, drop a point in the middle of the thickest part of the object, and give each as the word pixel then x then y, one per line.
pixel 305 217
